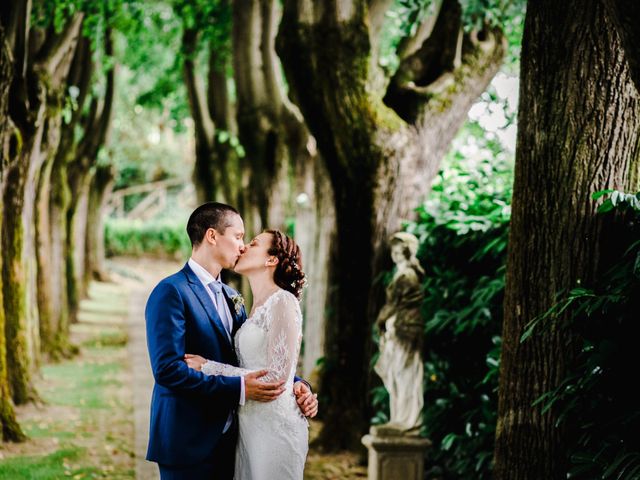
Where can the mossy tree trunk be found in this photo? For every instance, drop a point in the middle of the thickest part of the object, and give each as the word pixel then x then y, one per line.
pixel 80 171
pixel 9 143
pixel 578 127
pixel 54 202
pixel 41 63
pixel 382 140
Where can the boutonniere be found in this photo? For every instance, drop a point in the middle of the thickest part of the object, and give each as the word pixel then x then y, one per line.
pixel 238 303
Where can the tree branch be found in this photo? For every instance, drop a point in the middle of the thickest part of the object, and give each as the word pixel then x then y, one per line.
pixel 80 76
pixel 56 45
pixel 217 92
pixel 204 127
pixel 270 18
pixel 438 56
pixel 18 36
pixel 99 138
pixel 377 11
pixel 408 45
pixel 89 122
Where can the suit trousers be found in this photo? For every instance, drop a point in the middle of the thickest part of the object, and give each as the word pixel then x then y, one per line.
pixel 219 466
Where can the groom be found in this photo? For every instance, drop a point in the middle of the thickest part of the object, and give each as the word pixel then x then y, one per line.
pixel 194 430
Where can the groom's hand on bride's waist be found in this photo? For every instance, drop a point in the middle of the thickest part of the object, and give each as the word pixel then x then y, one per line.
pixel 256 389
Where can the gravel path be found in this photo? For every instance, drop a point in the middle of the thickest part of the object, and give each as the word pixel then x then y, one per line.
pixel 141 275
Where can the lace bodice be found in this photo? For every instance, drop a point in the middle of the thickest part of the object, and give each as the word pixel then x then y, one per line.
pixel 270 339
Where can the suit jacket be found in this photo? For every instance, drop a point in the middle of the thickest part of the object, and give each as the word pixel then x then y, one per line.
pixel 188 409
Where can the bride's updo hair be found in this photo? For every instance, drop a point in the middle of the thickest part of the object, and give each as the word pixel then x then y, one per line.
pixel 288 275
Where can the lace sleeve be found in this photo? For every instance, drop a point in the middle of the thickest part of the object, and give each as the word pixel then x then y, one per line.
pixel 283 337
pixel 217 368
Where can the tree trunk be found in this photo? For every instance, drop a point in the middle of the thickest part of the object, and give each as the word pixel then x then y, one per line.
pixel 381 159
pixel 101 184
pixel 41 64
pixel 54 310
pixel 577 131
pixel 81 170
pixel 9 428
pixel 315 225
pixel 260 111
pixel 47 281
pixel 214 175
pixel 75 248
pixel 17 268
pixel 625 15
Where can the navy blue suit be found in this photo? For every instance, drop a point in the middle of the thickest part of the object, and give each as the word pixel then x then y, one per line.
pixel 189 409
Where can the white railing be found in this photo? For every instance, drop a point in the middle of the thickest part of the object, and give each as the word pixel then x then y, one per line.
pixel 154 201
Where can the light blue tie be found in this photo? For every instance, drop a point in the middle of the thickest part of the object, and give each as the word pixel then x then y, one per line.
pixel 221 304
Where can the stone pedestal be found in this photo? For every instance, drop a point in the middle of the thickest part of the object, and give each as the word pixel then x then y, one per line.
pixel 394 456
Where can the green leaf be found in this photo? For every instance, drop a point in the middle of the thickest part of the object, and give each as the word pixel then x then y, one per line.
pixel 601 193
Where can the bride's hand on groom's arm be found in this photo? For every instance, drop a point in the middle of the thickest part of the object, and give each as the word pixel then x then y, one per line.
pixel 194 361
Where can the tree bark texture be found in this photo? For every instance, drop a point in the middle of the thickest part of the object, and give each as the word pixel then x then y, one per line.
pixel 42 60
pixel 625 15
pixel 577 133
pixel 9 428
pixel 382 140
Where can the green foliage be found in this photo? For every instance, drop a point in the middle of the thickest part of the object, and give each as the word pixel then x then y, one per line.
pixel 146 144
pixel 98 16
pixel 617 199
pixel 151 57
pixel 212 20
pixel 157 61
pixel 464 232
pixel 496 13
pixel 597 399
pixel 156 238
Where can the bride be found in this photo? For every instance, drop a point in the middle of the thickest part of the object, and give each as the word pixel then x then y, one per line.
pixel 273 436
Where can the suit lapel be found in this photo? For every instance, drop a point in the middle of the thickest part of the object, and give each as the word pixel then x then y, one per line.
pixel 205 300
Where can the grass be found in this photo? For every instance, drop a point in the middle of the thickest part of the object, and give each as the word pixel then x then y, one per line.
pixel 84 429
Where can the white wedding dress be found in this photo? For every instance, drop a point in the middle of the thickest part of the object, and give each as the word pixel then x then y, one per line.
pixel 273 438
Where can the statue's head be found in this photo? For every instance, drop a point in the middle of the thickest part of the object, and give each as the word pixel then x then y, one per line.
pixel 404 246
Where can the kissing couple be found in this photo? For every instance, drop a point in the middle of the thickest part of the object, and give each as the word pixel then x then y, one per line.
pixel 225 397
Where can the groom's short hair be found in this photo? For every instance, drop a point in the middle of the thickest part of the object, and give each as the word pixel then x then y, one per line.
pixel 208 215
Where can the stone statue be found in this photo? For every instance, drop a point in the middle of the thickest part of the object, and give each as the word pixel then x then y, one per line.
pixel 401 330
